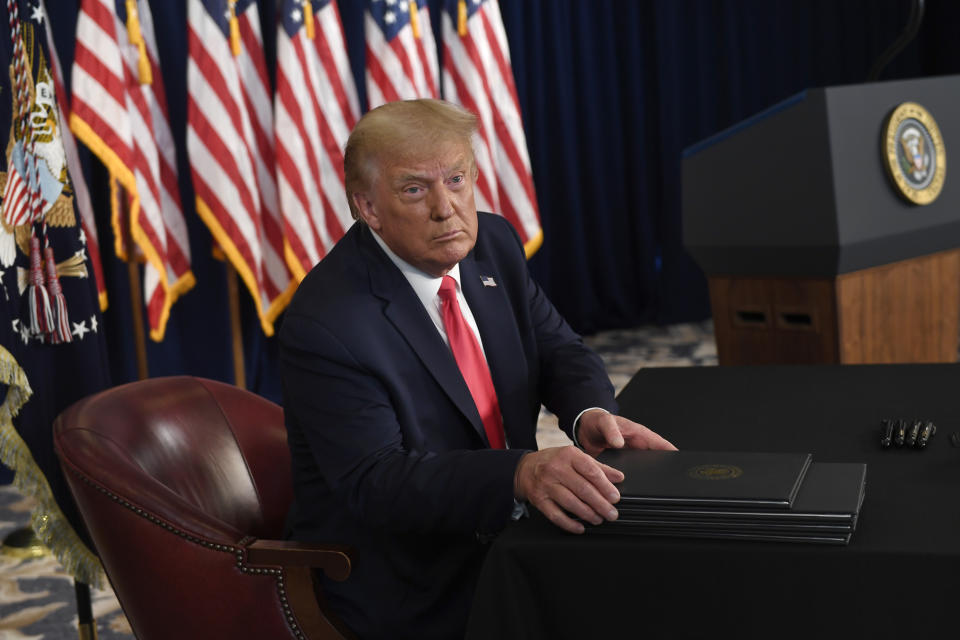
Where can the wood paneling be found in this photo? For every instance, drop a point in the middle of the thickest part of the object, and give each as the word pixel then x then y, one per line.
pixel 907 311
pixel 774 320
pixel 901 312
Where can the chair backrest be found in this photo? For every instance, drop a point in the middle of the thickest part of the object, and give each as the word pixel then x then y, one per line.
pixel 218 447
pixel 172 476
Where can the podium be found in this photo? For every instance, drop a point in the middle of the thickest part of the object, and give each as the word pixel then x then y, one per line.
pixel 812 252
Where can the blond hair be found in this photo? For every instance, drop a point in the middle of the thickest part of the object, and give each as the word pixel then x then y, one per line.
pixel 402 129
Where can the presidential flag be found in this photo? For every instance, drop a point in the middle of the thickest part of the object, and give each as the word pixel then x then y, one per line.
pixel 401 52
pixel 477 74
pixel 230 141
pixel 83 204
pixel 41 372
pixel 119 110
pixel 315 108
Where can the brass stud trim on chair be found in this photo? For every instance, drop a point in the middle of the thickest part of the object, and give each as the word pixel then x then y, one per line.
pixel 239 551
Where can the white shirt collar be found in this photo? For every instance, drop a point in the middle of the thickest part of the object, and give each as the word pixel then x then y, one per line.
pixel 424 284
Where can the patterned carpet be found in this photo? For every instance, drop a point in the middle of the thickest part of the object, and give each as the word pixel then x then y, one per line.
pixel 37 598
pixel 626 351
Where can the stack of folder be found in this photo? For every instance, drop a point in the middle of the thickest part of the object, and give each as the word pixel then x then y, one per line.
pixel 737 495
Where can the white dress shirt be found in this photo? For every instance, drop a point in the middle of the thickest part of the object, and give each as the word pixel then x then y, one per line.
pixel 426 288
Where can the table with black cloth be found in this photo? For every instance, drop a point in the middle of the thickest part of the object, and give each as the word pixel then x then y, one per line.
pixel 898 578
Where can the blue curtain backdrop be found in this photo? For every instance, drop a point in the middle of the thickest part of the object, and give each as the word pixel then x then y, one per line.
pixel 611 91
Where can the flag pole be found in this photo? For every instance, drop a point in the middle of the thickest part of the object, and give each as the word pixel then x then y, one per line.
pixel 239 373
pixel 86 623
pixel 136 306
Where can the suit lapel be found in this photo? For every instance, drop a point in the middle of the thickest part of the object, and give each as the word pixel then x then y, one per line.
pixel 501 345
pixel 404 310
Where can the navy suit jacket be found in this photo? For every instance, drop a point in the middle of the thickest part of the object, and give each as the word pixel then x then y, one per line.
pixel 389 452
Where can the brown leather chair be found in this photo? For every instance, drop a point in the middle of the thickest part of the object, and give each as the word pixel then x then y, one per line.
pixel 183 484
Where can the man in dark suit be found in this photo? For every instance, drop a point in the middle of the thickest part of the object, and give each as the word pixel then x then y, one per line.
pixel 395 451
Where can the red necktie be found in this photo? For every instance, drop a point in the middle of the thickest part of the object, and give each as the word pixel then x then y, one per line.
pixel 473 366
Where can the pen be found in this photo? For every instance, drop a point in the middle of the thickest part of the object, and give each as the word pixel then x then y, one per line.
pixel 926 432
pixel 900 432
pixel 886 433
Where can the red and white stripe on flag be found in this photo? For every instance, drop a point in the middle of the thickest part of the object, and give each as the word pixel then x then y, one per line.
pixel 18 192
pixel 315 108
pixel 119 111
pixel 84 206
pixel 401 52
pixel 230 141
pixel 477 74
pixel 16 195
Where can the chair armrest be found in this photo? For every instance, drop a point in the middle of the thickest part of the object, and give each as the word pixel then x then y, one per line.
pixel 333 559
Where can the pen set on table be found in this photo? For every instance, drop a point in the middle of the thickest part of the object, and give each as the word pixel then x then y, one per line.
pixel 906 433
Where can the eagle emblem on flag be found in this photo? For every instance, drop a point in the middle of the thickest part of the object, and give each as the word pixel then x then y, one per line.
pixel 35 195
pixel 43 137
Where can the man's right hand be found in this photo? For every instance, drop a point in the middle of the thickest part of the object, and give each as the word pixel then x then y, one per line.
pixel 565 480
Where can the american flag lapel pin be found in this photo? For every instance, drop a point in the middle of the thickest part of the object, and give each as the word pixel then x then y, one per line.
pixel 488 281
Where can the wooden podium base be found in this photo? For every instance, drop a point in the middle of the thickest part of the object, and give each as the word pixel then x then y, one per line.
pixel 906 311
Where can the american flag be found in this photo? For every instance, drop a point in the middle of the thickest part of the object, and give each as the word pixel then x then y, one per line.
pixel 401 52
pixel 119 110
pixel 84 206
pixel 230 140
pixel 315 109
pixel 477 75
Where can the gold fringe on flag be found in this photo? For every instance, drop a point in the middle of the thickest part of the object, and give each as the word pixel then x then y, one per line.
pixel 414 19
pixel 234 28
pixel 308 19
pixel 462 18
pixel 136 38
pixel 47 521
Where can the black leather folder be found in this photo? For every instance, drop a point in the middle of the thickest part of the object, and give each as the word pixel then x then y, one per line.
pixel 824 510
pixel 763 536
pixel 830 495
pixel 733 525
pixel 701 478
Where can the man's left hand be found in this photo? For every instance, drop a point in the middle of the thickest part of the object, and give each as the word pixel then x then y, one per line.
pixel 600 430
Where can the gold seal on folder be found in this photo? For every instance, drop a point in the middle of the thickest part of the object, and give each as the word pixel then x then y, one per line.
pixel 715 472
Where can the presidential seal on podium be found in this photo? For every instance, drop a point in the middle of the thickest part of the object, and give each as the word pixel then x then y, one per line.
pixel 914 154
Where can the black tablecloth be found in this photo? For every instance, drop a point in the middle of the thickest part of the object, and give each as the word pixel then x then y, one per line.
pixel 898 578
